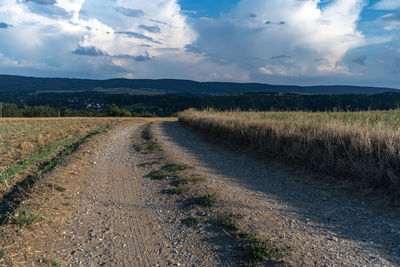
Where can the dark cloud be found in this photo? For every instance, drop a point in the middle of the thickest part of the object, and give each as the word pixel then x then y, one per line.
pixel 139 36
pixel 43 2
pixel 280 57
pixel 4 25
pixel 253 16
pixel 89 51
pixel 152 29
pixel 359 59
pixel 134 13
pixel 394 17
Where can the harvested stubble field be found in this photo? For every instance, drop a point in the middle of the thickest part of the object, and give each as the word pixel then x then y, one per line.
pixel 25 144
pixel 363 147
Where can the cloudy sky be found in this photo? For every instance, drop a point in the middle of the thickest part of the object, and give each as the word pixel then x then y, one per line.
pixel 305 42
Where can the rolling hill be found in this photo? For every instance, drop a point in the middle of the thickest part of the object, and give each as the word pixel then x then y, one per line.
pixel 11 83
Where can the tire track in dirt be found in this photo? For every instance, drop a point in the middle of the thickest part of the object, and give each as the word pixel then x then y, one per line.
pixel 112 222
pixel 123 219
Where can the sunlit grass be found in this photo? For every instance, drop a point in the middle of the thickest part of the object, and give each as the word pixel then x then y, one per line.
pixel 360 146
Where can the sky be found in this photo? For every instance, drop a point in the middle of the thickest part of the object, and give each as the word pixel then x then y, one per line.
pixel 303 42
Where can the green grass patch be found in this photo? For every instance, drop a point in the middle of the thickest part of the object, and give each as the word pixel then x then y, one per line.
pixel 52 262
pixel 24 217
pixel 159 175
pixel 177 191
pixel 228 222
pixel 245 236
pixel 257 250
pixel 208 200
pixel 177 167
pixel 150 145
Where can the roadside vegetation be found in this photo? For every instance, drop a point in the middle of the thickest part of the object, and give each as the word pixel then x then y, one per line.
pixel 30 148
pixel 26 144
pixel 363 147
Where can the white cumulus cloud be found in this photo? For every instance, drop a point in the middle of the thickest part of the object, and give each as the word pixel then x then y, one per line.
pixel 65 33
pixel 285 37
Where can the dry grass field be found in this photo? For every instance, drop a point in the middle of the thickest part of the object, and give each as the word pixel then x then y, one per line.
pixel 25 144
pixel 363 147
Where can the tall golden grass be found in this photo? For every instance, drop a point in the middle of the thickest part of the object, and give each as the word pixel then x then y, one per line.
pixel 360 146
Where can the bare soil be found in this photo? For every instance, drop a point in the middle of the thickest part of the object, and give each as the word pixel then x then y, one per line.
pixel 111 215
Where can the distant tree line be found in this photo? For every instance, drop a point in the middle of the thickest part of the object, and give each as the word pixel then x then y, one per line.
pixel 170 104
pixel 99 104
pixel 15 111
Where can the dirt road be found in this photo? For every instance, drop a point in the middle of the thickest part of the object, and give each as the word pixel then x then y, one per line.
pixel 119 218
pixel 325 226
pixel 123 219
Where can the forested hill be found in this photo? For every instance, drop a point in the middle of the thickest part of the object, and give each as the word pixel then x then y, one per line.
pixel 9 83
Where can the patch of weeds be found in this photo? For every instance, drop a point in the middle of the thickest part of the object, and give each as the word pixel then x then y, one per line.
pixel 146 133
pixel 52 262
pixel 59 188
pixel 257 250
pixel 140 147
pixel 159 175
pixel 145 164
pixel 228 222
pixel 191 221
pixel 67 197
pixel 176 191
pixel 24 217
pixel 151 147
pixel 207 200
pixel 195 179
pixel 245 236
pixel 177 167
